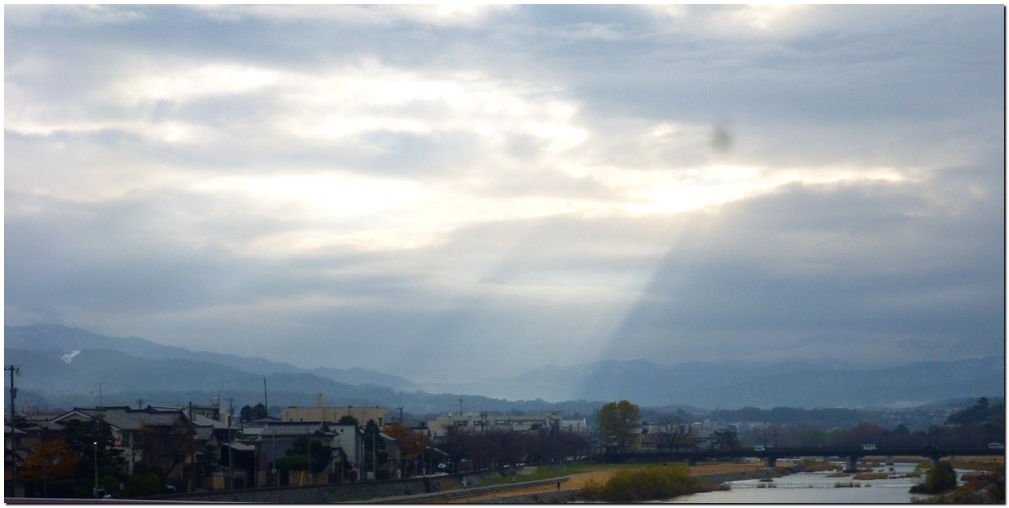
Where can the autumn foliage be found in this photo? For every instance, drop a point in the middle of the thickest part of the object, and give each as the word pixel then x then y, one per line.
pixel 50 461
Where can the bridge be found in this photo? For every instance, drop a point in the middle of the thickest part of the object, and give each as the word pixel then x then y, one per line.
pixel 771 454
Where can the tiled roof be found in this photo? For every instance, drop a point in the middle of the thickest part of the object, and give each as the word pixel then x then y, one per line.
pixel 132 419
pixel 241 447
pixel 206 421
pixel 204 433
pixel 285 429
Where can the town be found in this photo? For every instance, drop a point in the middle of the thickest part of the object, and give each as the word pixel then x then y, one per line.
pixel 163 450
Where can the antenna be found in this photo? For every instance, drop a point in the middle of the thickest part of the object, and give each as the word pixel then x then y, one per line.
pixel 266 401
pixel 100 383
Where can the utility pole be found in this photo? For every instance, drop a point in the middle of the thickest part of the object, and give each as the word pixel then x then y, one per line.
pixel 192 451
pixel 45 461
pixel 276 478
pixel 15 440
pixel 14 370
pixel 231 470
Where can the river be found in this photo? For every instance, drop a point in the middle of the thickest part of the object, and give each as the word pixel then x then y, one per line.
pixel 814 488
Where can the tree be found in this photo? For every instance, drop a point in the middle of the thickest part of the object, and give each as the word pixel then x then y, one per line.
pixel 84 440
pixel 411 443
pixel 348 420
pixel 306 454
pixel 616 421
pixel 249 413
pixel 723 439
pixel 374 447
pixel 676 436
pixel 164 448
pixel 940 478
pixel 51 461
pixel 980 412
pixel 455 444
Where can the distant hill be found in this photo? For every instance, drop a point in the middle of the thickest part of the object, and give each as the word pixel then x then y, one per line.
pixel 65 367
pixel 791 384
pixel 55 337
pixel 62 367
pixel 113 378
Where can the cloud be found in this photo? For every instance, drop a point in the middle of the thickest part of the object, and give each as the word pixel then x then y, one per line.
pixel 449 15
pixel 846 261
pixel 69 15
pixel 483 190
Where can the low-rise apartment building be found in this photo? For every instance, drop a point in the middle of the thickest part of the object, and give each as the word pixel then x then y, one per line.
pixel 334 414
pixel 482 421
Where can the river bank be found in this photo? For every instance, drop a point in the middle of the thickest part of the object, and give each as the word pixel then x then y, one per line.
pixel 565 490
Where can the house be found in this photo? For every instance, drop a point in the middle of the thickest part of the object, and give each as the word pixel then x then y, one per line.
pixel 163 440
pixel 580 427
pixel 388 469
pixel 274 439
pixel 480 421
pixel 14 453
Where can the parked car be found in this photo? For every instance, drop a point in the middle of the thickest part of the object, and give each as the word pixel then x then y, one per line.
pixel 996 446
pixel 758 448
pixel 868 447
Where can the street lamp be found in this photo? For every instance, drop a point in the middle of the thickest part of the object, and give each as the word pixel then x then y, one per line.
pixel 96 468
pixel 273 469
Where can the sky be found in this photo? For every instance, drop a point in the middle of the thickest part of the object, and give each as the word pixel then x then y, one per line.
pixel 458 192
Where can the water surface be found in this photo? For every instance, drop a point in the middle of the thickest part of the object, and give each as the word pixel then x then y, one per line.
pixel 814 488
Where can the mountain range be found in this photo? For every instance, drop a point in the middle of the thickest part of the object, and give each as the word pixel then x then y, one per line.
pixel 63 367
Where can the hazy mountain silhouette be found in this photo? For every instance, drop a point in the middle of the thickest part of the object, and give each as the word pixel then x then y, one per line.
pixel 54 373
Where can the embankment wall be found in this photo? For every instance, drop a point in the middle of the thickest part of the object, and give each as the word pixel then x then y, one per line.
pixel 314 494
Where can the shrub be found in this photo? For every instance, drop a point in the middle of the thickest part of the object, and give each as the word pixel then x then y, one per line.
pixel 141 485
pixel 980 489
pixel 110 483
pixel 657 482
pixel 61 488
pixel 940 478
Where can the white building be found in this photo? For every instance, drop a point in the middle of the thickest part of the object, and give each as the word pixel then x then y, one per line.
pixel 334 414
pixel 482 421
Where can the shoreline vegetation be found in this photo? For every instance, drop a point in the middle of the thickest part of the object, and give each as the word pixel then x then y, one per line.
pixel 646 484
pixel 622 483
pixel 576 476
pixel 984 483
